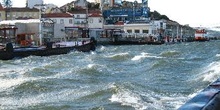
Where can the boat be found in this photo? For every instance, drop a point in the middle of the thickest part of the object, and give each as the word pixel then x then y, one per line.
pixel 201 35
pixel 19 45
pixel 207 99
pixel 9 52
pixel 118 37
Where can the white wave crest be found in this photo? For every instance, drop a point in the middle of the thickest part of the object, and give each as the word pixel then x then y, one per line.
pixel 217 55
pixel 118 54
pixel 144 55
pixel 129 99
pixel 212 73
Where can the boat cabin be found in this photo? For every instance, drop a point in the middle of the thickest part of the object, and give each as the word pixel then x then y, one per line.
pixel 25 39
pixel 7 34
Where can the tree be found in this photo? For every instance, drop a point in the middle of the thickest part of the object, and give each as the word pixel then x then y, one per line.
pixel 7 3
pixel 157 16
pixel 164 17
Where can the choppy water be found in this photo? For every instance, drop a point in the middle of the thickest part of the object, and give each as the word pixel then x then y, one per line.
pixel 146 77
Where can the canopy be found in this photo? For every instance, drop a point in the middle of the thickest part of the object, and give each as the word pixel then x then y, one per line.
pixel 12 22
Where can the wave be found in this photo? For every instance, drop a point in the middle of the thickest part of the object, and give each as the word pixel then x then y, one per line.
pixel 159 64
pixel 212 72
pixel 139 100
pixel 128 98
pixel 170 53
pixel 119 56
pixel 144 55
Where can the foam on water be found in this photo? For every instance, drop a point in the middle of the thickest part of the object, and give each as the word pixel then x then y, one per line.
pixel 144 55
pixel 129 99
pixel 118 55
pixel 170 53
pixel 217 55
pixel 209 73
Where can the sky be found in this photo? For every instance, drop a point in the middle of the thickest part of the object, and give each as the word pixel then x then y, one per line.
pixel 192 12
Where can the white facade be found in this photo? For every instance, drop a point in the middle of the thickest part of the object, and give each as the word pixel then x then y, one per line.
pixel 80 20
pixel 95 22
pixel 31 3
pixel 159 24
pixel 138 28
pixel 67 22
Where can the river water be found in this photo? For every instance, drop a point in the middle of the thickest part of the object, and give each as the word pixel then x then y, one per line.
pixel 129 77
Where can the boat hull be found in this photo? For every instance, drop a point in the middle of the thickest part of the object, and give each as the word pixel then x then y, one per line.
pixel 28 51
pixel 4 55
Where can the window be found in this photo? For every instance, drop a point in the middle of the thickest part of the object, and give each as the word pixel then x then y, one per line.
pixel 161 24
pixel 70 21
pixel 54 20
pixel 61 21
pixel 100 20
pixel 30 14
pixel 129 31
pixel 145 31
pixel 136 31
pixel 77 16
pixel 25 14
pixel 91 20
pixel 35 14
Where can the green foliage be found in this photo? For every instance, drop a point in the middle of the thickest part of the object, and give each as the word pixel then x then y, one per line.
pixel 157 16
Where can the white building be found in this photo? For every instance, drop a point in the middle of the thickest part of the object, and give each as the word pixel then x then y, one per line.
pixel 95 25
pixel 140 29
pixel 61 22
pixel 60 18
pixel 80 18
pixel 31 3
pixel 95 21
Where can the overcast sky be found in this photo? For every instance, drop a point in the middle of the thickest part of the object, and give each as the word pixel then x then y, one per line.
pixel 192 12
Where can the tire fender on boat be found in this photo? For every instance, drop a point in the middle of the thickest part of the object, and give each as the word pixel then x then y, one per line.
pixel 9 47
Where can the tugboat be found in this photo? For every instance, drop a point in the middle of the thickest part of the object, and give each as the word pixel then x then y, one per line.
pixel 12 46
pixel 201 35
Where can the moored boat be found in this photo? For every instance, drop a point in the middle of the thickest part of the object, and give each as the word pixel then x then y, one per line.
pixel 201 35
pixel 118 37
pixel 50 49
pixel 207 99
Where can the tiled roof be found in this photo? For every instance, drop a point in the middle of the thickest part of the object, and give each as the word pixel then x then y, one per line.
pixel 78 11
pixel 83 11
pixel 26 9
pixel 95 15
pixel 56 15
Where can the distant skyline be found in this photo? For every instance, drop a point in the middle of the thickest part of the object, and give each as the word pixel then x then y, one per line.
pixel 192 12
